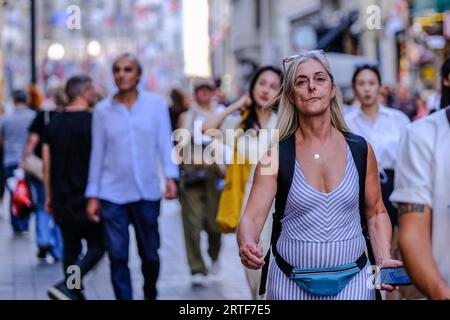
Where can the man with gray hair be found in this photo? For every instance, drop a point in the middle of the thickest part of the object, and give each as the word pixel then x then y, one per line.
pixel 131 133
pixel 66 154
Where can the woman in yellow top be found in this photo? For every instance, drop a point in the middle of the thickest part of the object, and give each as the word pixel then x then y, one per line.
pixel 252 112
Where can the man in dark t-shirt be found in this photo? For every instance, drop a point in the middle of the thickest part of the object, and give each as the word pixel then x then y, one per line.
pixel 66 153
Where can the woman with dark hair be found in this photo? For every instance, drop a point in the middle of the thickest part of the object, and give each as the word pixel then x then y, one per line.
pixel 381 126
pixel 251 113
pixel 180 103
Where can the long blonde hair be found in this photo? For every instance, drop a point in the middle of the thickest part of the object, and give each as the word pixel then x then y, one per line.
pixel 287 112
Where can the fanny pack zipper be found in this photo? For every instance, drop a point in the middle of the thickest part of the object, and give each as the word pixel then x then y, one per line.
pixel 321 272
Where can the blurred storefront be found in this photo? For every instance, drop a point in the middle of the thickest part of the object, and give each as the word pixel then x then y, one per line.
pixel 149 28
pixel 75 36
pixel 2 80
pixel 428 42
pixel 15 44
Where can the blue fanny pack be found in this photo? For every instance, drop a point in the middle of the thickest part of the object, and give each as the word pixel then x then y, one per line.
pixel 323 281
pixel 327 281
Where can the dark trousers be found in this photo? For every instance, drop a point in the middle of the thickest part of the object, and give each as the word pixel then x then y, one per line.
pixel 387 187
pixel 75 227
pixel 144 217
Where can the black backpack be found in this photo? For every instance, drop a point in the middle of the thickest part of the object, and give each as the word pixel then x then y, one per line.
pixel 359 150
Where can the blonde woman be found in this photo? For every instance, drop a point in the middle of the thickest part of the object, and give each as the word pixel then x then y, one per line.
pixel 253 113
pixel 320 229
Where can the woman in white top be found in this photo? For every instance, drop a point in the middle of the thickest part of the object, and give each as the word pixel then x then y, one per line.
pixel 250 112
pixel 381 126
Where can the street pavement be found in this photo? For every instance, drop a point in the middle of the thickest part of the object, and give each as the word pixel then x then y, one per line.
pixel 22 277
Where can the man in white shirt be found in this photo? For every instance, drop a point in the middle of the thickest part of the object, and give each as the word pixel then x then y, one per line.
pixel 422 185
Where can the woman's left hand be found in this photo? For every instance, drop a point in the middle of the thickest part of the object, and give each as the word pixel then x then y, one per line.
pixel 389 263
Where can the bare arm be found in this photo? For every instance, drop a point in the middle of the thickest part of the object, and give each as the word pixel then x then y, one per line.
pixel 215 121
pixel 260 201
pixel 415 246
pixel 33 140
pixel 378 222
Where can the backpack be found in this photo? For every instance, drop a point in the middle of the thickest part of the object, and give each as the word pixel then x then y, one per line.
pixel 286 154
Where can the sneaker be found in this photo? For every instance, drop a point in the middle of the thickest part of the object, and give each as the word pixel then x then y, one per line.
pixel 43 251
pixel 61 292
pixel 215 267
pixel 198 279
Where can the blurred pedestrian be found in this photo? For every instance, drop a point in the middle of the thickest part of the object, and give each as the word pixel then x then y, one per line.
pixel 14 133
pixel 199 190
pixel 219 95
pixel 318 226
pixel 386 97
pixel 48 234
pixel 35 97
pixel 252 111
pixel 66 155
pixel 180 103
pixel 382 127
pixel 403 102
pixel 422 185
pixel 421 107
pixel 130 133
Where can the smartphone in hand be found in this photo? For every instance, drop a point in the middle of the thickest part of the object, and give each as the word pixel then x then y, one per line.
pixel 394 277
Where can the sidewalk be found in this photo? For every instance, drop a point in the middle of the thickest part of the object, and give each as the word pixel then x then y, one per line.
pixel 22 278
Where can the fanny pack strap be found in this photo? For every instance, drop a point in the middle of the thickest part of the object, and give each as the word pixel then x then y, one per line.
pixel 288 269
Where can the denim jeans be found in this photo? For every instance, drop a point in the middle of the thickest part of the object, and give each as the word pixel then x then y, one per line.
pixel 116 219
pixel 48 232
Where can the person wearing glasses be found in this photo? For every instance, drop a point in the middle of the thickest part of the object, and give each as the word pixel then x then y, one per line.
pixel 381 126
pixel 318 228
pixel 253 113
pixel 131 133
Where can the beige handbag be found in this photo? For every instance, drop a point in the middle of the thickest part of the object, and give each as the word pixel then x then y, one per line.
pixel 34 166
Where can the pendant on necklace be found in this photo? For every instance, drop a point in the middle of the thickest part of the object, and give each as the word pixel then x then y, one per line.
pixel 317 156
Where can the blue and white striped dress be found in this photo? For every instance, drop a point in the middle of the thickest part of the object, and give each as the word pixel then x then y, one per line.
pixel 321 230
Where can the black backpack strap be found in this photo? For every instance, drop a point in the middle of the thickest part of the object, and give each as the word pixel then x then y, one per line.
pixel 286 165
pixel 359 149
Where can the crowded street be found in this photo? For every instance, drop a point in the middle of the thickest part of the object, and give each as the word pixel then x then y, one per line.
pixel 217 150
pixel 24 277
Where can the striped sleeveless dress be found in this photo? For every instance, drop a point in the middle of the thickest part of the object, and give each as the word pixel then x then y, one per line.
pixel 321 230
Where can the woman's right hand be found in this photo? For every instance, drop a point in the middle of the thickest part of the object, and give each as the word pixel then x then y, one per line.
pixel 244 103
pixel 251 256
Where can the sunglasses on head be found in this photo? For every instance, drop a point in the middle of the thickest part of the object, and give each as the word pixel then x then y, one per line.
pixel 287 61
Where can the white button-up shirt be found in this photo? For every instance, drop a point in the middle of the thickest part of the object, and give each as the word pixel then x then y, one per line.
pixel 383 134
pixel 127 145
pixel 422 176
